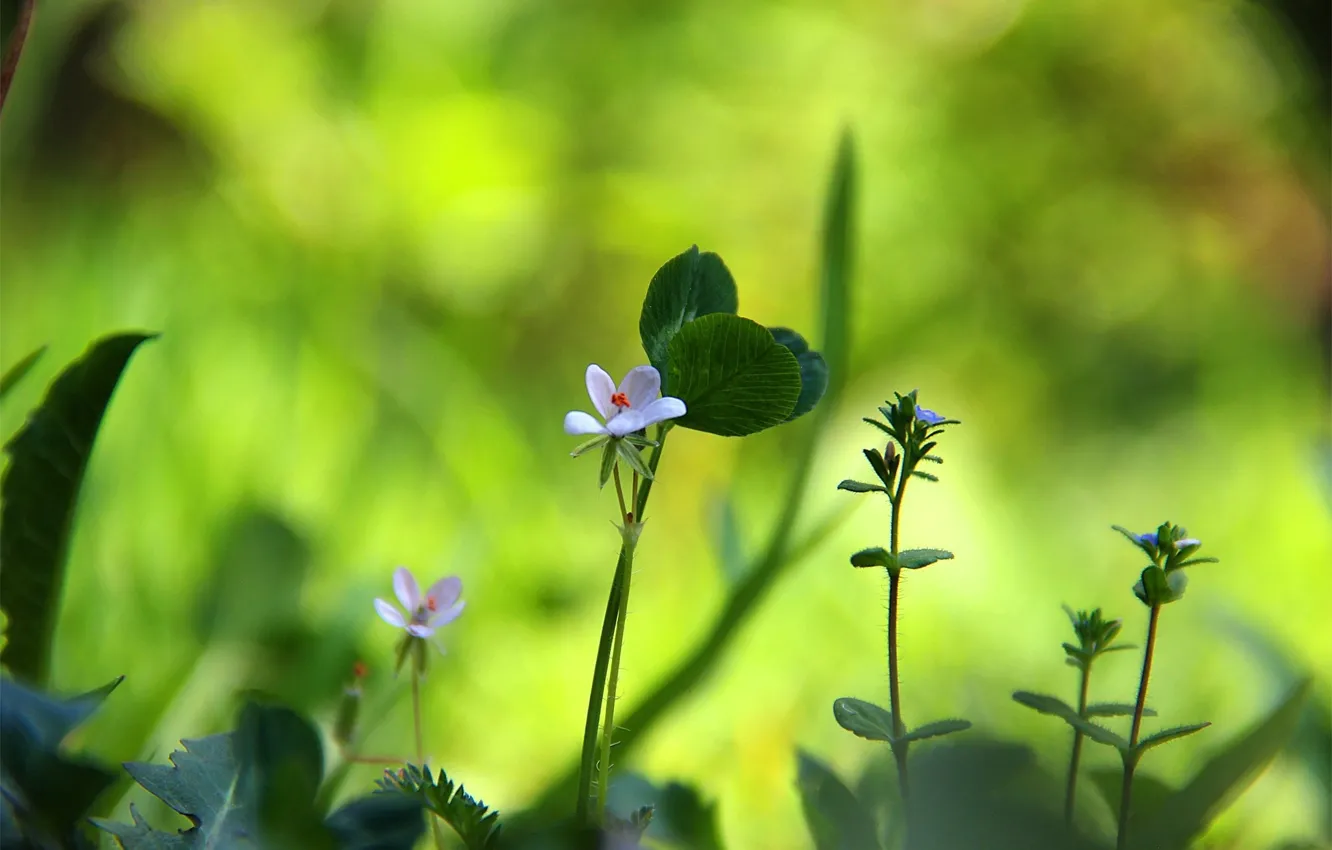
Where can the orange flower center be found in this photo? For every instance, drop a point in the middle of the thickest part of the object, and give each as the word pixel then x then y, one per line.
pixel 432 605
pixel 620 400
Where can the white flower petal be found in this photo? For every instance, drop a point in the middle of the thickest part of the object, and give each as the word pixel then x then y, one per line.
pixel 420 630
pixel 660 410
pixel 577 422
pixel 443 593
pixel 600 388
pixel 408 591
pixel 447 615
pixel 641 385
pixel 389 614
pixel 626 423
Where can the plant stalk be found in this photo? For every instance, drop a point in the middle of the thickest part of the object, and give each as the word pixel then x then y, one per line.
pixel 894 692
pixel 588 758
pixel 1076 755
pixel 612 689
pixel 1131 761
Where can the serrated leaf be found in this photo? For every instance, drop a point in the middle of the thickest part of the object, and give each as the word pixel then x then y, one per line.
pixel 1187 812
pixel 813 370
pixel 935 730
pixel 688 286
pixel 1167 735
pixel 864 719
pixel 475 824
pixel 1116 709
pixel 836 819
pixel 19 370
pixel 838 260
pixel 1046 704
pixel 40 489
pixel 875 556
pixel 915 559
pixel 202 784
pixel 733 377
pixel 859 487
pixel 1149 793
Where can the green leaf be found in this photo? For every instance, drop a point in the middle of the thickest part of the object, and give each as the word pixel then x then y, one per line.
pixel 678 816
pixel 1167 735
pixel 378 822
pixel 280 763
pixel 1190 809
pixel 1046 704
pixel 928 476
pixel 1116 709
pixel 202 785
pixel 608 456
pixel 1148 792
pixel 47 792
pixel 19 370
pixel 39 491
pixel 838 255
pixel 864 719
pixel 860 487
pixel 688 286
pixel 476 825
pixel 914 559
pixel 875 556
pixel 880 466
pixel 836 819
pixel 732 375
pixel 935 729
pixel 813 370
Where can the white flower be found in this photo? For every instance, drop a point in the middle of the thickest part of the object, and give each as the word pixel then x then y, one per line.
pixel 439 607
pixel 631 407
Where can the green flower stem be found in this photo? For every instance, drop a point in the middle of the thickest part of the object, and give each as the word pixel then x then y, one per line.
pixel 587 761
pixel 1131 760
pixel 1074 757
pixel 417 664
pixel 894 692
pixel 612 690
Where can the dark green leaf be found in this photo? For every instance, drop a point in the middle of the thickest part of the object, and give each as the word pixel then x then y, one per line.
pixel 1046 704
pixel 880 466
pixel 732 375
pixel 1116 709
pixel 475 824
pixel 47 461
pixel 864 719
pixel 860 487
pixel 1148 791
pixel 378 822
pixel 608 456
pixel 928 476
pixel 688 286
pixel 875 556
pixel 936 729
pixel 16 373
pixel 1167 735
pixel 202 785
pixel 914 559
pixel 280 763
pixel 813 371
pixel 1190 809
pixel 47 792
pixel 836 819
pixel 838 256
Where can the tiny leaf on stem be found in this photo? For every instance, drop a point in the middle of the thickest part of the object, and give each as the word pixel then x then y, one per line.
pixel 1167 735
pixel 1046 704
pixel 864 719
pixel 914 559
pixel 935 729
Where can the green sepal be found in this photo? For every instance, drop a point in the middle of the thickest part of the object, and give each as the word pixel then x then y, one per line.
pixel 880 467
pixel 608 455
pixel 631 456
pixel 585 447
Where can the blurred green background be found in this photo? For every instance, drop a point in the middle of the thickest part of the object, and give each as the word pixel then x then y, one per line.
pixel 383 238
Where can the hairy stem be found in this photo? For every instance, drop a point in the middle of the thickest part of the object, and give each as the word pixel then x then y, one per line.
pixel 894 691
pixel 588 758
pixel 1076 755
pixel 1131 761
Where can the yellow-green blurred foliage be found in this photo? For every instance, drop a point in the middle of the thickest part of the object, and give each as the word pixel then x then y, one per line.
pixel 383 238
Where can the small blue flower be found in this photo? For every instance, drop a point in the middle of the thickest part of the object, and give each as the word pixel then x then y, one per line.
pixel 929 417
pixel 1148 539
